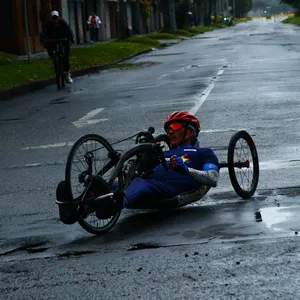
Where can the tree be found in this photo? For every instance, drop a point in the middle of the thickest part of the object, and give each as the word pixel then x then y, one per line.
pixel 242 7
pixel 275 6
pixel 293 3
pixel 167 8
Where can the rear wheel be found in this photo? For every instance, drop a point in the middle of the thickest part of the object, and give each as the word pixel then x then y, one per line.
pixel 58 66
pixel 243 165
pixel 90 155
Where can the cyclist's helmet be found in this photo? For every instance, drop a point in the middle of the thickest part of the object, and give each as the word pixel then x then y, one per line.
pixel 182 117
pixel 54 13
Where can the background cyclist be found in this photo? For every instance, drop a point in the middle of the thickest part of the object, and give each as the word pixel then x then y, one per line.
pixel 57 28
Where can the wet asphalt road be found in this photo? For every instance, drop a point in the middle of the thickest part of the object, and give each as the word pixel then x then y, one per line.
pixel 244 77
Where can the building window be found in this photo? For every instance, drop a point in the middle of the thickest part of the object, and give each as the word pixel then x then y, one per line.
pixel 36 18
pixel 55 5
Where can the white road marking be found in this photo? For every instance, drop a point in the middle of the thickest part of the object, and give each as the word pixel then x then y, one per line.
pixel 223 130
pixel 86 120
pixel 278 164
pixel 32 165
pixel 201 97
pixel 56 145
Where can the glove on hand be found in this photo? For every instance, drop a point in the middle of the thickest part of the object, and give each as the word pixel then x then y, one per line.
pixel 178 165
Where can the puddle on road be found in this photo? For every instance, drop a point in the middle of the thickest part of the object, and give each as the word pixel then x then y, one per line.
pixel 273 217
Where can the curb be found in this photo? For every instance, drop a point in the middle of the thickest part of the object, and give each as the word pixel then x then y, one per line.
pixel 18 90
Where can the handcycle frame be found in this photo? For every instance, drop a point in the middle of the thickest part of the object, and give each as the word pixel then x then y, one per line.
pixel 79 208
pixel 58 59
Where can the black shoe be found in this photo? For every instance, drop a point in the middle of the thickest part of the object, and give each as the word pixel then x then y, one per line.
pixel 98 186
pixel 62 194
pixel 109 206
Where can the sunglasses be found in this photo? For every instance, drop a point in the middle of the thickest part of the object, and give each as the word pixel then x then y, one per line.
pixel 175 127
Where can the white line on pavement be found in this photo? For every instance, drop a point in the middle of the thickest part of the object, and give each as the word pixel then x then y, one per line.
pixel 223 130
pixel 86 120
pixel 220 72
pixel 201 97
pixel 56 145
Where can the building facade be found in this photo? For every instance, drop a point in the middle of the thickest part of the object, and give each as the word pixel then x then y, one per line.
pixel 21 24
pixel 24 20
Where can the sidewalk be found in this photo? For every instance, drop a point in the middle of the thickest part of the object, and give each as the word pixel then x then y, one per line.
pixel 44 54
pixel 18 90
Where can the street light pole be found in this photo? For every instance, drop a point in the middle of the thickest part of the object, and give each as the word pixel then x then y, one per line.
pixel 27 30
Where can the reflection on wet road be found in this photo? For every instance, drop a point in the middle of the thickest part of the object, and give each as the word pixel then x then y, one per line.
pixel 218 217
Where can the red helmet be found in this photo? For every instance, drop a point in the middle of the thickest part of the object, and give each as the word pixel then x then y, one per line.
pixel 182 116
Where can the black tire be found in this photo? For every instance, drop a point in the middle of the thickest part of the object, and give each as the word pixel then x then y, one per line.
pixel 243 165
pixel 62 71
pixel 58 66
pixel 78 176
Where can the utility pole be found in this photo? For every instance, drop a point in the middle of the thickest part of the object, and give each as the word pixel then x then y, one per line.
pixel 27 30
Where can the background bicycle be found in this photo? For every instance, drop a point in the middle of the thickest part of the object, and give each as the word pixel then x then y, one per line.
pixel 59 56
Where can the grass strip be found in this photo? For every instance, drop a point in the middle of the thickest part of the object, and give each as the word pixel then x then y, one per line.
pixel 14 72
pixel 163 36
pixel 292 20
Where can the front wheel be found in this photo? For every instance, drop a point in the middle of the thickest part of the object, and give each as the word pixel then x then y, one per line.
pixel 243 165
pixel 59 73
pixel 90 155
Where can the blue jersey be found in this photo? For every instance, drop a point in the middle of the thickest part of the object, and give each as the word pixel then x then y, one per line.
pixel 196 158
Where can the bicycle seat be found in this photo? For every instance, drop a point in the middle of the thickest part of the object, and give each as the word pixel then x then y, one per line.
pixel 168 203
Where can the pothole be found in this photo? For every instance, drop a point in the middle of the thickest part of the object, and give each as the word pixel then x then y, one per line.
pixel 142 246
pixel 76 253
pixel 29 248
pixel 11 119
pixel 59 100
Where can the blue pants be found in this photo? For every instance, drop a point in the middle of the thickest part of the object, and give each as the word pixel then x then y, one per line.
pixel 94 34
pixel 140 188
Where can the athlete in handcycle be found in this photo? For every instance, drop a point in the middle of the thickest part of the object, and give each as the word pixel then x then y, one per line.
pixel 145 176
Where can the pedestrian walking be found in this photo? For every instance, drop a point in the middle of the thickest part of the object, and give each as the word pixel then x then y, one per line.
pixel 94 24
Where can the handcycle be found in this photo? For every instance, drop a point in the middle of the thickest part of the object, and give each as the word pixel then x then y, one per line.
pixel 93 155
pixel 58 60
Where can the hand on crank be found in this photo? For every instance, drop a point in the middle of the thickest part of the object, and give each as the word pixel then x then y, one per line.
pixel 177 164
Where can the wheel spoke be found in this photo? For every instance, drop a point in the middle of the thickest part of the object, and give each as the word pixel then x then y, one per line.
pixel 243 164
pixel 81 167
pixel 244 175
